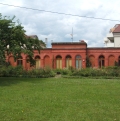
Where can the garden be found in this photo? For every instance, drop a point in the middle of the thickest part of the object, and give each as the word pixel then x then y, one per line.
pixel 18 71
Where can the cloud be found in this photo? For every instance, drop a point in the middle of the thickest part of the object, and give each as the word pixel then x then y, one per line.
pixel 58 27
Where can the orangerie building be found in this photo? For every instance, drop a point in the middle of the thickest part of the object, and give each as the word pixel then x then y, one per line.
pixel 65 54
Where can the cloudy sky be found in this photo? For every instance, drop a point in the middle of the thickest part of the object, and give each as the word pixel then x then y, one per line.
pixel 58 27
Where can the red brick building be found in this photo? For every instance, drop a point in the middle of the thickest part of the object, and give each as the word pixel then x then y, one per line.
pixel 65 54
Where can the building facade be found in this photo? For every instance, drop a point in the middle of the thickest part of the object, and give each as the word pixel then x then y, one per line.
pixel 73 54
pixel 113 37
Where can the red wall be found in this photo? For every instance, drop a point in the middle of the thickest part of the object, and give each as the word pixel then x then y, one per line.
pixel 106 52
pixel 48 55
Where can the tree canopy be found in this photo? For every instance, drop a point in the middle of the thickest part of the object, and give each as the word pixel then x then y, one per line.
pixel 13 40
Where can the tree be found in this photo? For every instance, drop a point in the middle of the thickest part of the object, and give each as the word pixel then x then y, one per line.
pixel 13 40
pixel 88 63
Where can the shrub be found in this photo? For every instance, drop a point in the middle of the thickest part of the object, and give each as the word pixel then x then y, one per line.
pixel 11 71
pixel 41 72
pixel 66 71
pixel 58 71
pixel 18 71
pixel 2 71
pixel 104 72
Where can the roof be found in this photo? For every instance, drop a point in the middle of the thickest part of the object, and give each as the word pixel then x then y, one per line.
pixel 72 43
pixel 103 48
pixel 116 29
pixel 32 36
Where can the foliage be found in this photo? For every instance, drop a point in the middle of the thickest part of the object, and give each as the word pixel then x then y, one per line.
pixel 41 72
pixel 88 63
pixel 64 71
pixel 116 63
pixel 10 71
pixel 104 72
pixel 14 41
pixel 18 71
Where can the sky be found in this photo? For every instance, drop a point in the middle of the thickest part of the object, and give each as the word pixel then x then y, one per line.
pixel 58 27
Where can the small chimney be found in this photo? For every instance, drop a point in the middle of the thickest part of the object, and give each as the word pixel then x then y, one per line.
pixel 81 41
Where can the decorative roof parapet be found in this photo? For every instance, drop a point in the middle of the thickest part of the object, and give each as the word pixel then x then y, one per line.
pixel 72 43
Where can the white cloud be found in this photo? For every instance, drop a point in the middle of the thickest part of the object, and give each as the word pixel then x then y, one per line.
pixel 90 5
pixel 58 27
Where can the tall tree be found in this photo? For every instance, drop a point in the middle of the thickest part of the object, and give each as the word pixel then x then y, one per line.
pixel 13 40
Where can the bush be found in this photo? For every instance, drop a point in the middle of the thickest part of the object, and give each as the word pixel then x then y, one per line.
pixel 64 71
pixel 2 71
pixel 11 71
pixel 83 72
pixel 58 71
pixel 18 71
pixel 41 72
pixel 104 72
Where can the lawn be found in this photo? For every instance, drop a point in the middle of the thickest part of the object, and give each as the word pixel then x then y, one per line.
pixel 59 99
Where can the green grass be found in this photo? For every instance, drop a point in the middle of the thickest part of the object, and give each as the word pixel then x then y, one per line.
pixel 59 99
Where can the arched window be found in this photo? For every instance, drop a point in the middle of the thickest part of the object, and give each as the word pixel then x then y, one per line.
pixel 27 64
pixel 20 61
pixel 47 61
pixel 37 59
pixel 59 62
pixel 101 61
pixel 68 61
pixel 78 62
pixel 111 60
pixel 11 60
pixel 92 60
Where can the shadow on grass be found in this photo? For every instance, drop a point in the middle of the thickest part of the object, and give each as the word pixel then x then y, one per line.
pixel 7 81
